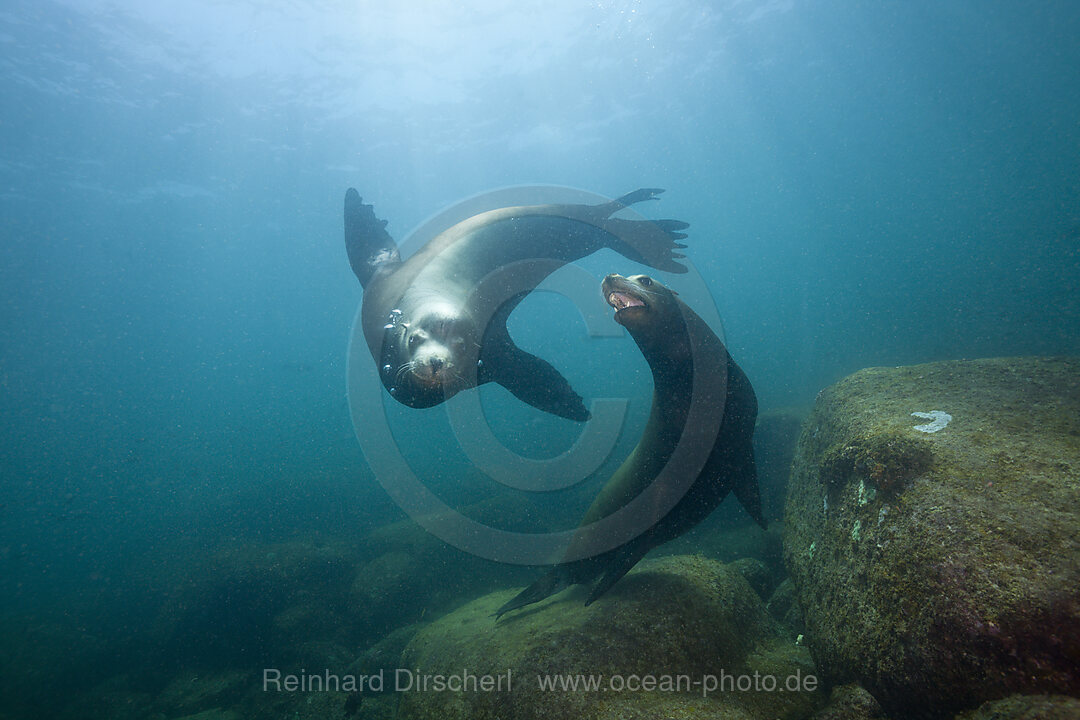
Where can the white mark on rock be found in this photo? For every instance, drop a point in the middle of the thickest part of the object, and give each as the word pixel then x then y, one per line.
pixel 938 420
pixel 867 493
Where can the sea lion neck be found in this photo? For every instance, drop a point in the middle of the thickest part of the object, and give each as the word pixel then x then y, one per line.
pixel 665 344
pixel 665 337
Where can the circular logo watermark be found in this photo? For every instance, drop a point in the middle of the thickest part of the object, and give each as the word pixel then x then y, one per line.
pixel 657 484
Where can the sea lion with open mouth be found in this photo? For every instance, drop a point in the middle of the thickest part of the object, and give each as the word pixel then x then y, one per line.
pixel 436 322
pixel 677 343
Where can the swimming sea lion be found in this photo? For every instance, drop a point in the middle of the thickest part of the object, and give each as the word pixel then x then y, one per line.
pixel 677 343
pixel 436 322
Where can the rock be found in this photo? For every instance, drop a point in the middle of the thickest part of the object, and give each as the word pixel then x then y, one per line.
pixel 381 659
pixel 850 702
pixel 193 693
pixel 675 616
pixel 115 699
pixel 47 661
pixel 413 574
pixel 260 603
pixel 940 570
pixel 716 539
pixel 309 602
pixel 783 605
pixel 757 575
pixel 384 656
pixel 1026 707
pixel 214 714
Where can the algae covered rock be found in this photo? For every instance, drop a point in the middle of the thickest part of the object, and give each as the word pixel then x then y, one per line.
pixel 937 556
pixel 670 621
pixel 850 702
pixel 783 605
pixel 411 574
pixel 311 601
pixel 257 603
pixel 1027 707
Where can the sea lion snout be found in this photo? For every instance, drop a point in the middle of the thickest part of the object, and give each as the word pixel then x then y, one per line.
pixel 436 347
pixel 432 362
pixel 625 294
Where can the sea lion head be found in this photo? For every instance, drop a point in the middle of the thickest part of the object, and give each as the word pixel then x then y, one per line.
pixel 427 352
pixel 640 302
pixel 651 312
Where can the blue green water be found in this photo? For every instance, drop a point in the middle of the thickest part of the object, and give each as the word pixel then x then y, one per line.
pixel 866 183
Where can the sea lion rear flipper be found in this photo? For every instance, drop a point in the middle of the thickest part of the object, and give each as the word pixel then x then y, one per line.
pixel 625 559
pixel 547 585
pixel 649 242
pixel 746 490
pixel 369 246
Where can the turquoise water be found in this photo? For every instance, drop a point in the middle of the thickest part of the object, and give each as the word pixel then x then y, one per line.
pixel 866 184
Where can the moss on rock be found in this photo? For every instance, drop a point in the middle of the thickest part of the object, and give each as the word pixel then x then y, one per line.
pixel 941 570
pixel 1027 707
pixel 676 615
pixel 850 702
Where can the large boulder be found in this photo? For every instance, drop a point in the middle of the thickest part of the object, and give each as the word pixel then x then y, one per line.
pixel 411 574
pixel 937 561
pixel 314 601
pixel 1027 707
pixel 675 616
pixel 252 603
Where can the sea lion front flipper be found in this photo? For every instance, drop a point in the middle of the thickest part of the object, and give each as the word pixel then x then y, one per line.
pixel 531 380
pixel 370 247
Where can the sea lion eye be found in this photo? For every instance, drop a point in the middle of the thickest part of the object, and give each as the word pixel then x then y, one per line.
pixel 646 281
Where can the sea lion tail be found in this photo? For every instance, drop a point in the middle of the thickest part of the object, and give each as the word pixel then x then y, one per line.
pixel 370 247
pixel 550 583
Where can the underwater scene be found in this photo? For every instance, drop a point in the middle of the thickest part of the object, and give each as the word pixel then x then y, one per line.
pixel 567 359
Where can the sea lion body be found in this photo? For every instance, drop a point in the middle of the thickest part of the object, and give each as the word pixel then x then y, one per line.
pixel 677 343
pixel 436 322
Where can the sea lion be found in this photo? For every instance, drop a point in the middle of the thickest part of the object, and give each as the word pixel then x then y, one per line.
pixel 677 343
pixel 436 322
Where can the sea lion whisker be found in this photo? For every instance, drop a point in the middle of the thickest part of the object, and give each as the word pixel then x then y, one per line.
pixel 642 291
pixel 405 368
